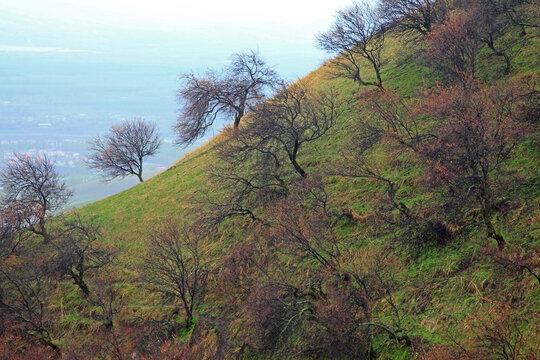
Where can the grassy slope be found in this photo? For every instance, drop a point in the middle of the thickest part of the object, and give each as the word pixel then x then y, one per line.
pixel 436 285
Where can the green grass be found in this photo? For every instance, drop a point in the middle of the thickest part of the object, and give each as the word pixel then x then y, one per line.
pixel 436 285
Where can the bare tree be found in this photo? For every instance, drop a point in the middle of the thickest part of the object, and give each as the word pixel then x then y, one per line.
pixel 523 13
pixel 354 161
pixel 174 267
pixel 9 227
pixel 33 191
pixel 121 152
pixel 305 283
pixel 302 224
pixel 261 159
pixel 478 130
pixel 76 251
pixel 454 45
pixel 493 19
pixel 284 124
pixel 414 15
pixel 356 35
pixel 234 92
pixel 24 291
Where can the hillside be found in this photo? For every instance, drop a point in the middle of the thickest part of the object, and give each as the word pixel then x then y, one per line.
pixel 410 270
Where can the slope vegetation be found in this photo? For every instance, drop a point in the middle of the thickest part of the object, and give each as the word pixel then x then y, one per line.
pixel 375 254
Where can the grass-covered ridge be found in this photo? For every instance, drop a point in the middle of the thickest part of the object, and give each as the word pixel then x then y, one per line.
pixel 443 287
pixel 439 300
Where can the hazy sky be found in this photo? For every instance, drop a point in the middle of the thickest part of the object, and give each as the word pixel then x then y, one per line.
pixel 299 19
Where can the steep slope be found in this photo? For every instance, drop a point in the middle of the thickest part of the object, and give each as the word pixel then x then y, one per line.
pixel 441 287
pixel 436 298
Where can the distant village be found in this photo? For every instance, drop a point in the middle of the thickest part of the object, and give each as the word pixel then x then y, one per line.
pixel 52 149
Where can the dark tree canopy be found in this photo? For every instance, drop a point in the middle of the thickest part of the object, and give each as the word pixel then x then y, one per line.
pixel 357 34
pixel 230 94
pixel 121 152
pixel 33 190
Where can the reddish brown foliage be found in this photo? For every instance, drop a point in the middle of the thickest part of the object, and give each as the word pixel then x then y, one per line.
pixel 15 344
pixel 496 332
pixel 477 129
pixel 453 46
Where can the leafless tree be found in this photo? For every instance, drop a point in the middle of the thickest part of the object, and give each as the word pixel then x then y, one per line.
pixel 356 35
pixel 174 267
pixel 453 46
pixel 414 15
pixel 305 284
pixel 232 93
pixel 244 191
pixel 491 24
pixel 107 298
pixel 33 191
pixel 479 128
pixel 494 18
pixel 354 163
pixel 522 13
pixel 121 152
pixel 76 251
pixel 302 224
pixel 284 124
pixel 261 159
pixel 24 290
pixel 391 114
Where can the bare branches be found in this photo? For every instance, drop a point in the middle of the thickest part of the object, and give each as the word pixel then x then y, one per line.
pixel 121 152
pixel 33 191
pixel 23 294
pixel 76 251
pixel 12 225
pixel 261 159
pixel 414 15
pixel 301 223
pixel 241 86
pixel 478 131
pixel 357 34
pixel 174 266
pixel 282 125
pixel 354 162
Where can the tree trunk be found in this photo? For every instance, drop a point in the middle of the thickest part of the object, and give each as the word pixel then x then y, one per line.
pixel 139 174
pixel 45 338
pixel 237 119
pixel 491 45
pixel 292 157
pixel 379 79
pixel 491 232
pixel 298 168
pixel 239 114
pixel 189 320
pixel 78 280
